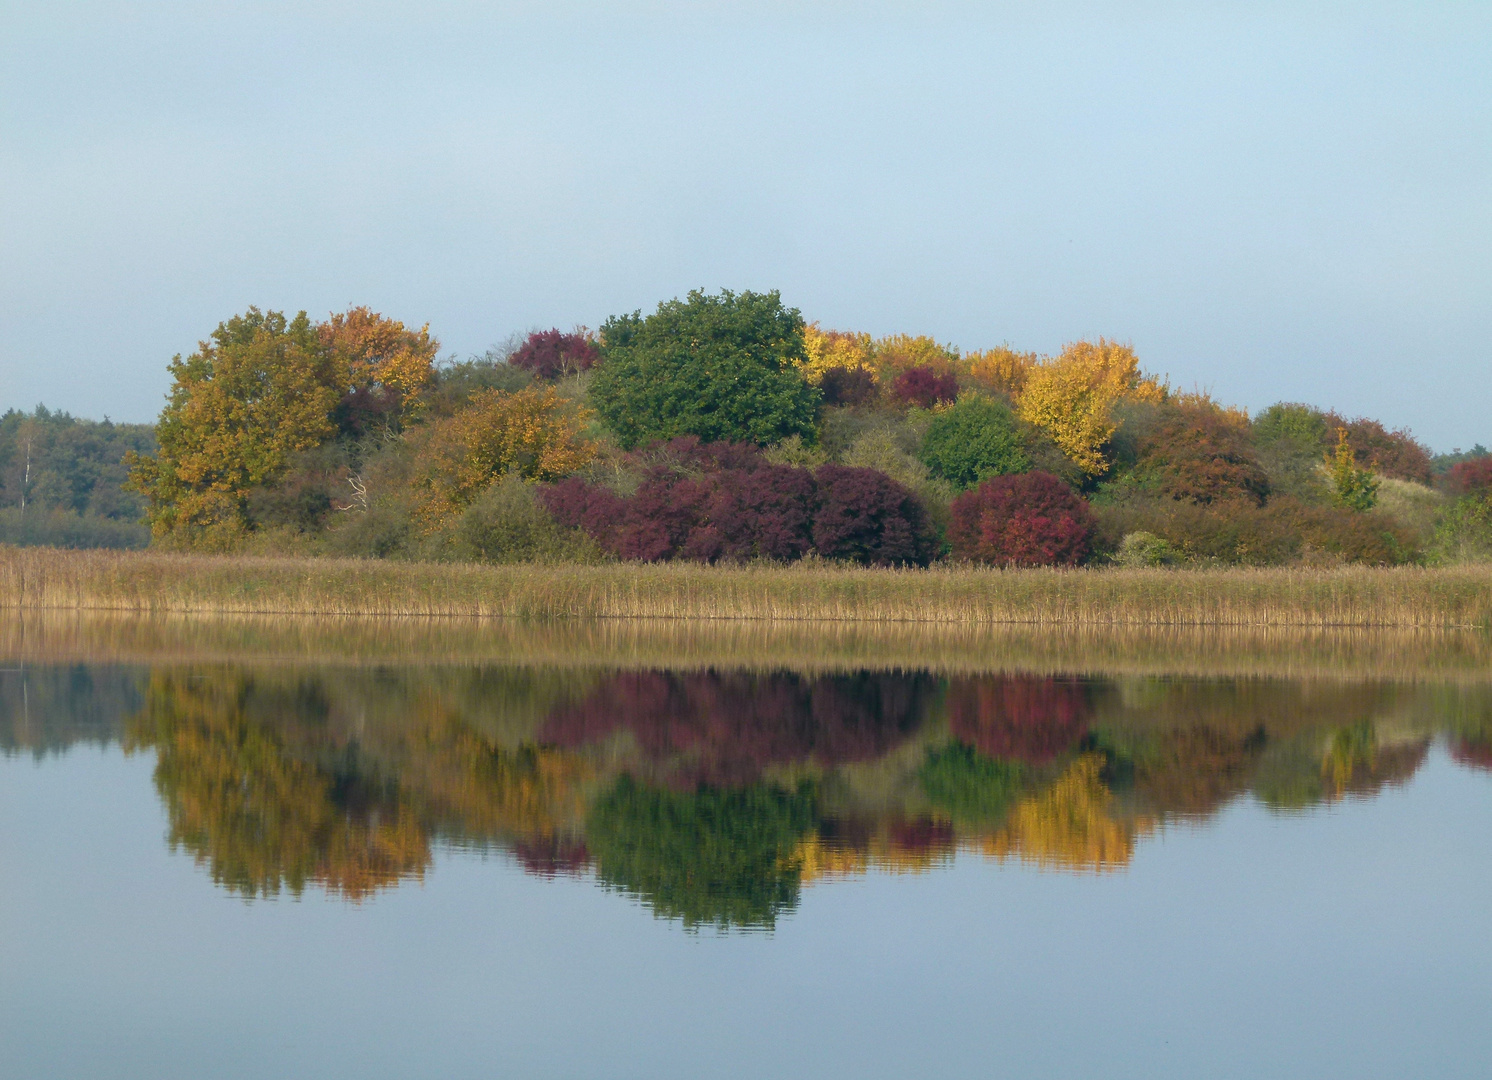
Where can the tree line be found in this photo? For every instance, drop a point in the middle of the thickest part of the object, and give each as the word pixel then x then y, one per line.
pixel 724 427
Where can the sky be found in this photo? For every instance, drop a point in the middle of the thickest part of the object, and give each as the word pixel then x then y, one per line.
pixel 1269 202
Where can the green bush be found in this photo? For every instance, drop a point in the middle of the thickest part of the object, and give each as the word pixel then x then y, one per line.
pixel 723 368
pixel 39 527
pixel 507 524
pixel 973 440
pixel 1464 533
pixel 1142 548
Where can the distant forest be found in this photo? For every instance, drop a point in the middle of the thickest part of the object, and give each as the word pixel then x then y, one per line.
pixel 725 427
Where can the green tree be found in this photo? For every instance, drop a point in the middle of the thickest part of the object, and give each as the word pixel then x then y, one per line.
pixel 723 367
pixel 1355 488
pixel 972 441
pixel 261 389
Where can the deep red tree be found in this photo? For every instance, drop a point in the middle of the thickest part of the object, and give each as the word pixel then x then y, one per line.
pixel 923 386
pixel 867 517
pixel 1473 477
pixel 550 354
pixel 1027 519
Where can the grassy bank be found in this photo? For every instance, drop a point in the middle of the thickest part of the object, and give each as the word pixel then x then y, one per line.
pixel 152 582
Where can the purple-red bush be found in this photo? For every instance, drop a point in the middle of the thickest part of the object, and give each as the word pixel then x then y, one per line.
pixel 1027 519
pixel 1020 717
pixel 550 354
pixel 701 501
pixel 925 387
pixel 847 386
pixel 867 517
pixel 1473 477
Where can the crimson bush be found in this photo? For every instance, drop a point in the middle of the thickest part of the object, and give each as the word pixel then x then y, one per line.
pixel 1473 477
pixel 552 353
pixel 867 517
pixel 1029 519
pixel 923 386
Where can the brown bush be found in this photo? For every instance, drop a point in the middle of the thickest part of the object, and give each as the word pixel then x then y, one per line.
pixel 1197 452
pixel 1392 453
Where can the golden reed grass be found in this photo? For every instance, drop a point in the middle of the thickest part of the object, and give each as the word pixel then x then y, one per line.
pixel 154 582
pixel 1402 655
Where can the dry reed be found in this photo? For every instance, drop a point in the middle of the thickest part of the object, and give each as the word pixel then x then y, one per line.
pixel 156 582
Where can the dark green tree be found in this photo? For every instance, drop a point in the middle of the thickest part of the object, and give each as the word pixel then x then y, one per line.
pixel 972 441
pixel 708 856
pixel 724 368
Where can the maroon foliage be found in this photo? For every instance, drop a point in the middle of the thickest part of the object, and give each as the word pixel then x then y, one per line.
pixel 925 387
pixel 550 354
pixel 847 386
pixel 552 856
pixel 1020 718
pixel 725 728
pixel 1028 519
pixel 867 517
pixel 1473 477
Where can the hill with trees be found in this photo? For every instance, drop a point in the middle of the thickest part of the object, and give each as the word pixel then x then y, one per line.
pixel 725 427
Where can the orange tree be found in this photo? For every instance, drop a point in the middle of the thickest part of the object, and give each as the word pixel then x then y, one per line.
pixel 385 368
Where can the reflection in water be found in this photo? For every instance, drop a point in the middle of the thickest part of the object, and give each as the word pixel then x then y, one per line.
pixel 715 796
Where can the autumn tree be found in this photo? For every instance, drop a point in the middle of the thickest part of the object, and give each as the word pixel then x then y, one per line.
pixel 386 369
pixel 260 389
pixel 1072 398
pixel 1355 487
pixel 552 354
pixel 724 368
pixel 533 433
pixel 1199 452
pixel 1030 519
pixel 834 350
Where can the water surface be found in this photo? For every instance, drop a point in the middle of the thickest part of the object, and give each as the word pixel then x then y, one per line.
pixel 274 865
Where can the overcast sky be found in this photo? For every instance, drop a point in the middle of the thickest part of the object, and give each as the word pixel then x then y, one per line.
pixel 1284 203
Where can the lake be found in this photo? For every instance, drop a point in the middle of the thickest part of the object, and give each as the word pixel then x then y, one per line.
pixel 281 850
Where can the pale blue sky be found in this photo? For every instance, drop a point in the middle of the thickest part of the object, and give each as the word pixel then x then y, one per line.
pixel 1289 202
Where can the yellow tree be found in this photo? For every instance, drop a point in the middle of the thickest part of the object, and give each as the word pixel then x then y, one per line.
pixel 1072 398
pixel 262 388
pixel 828 349
pixel 534 432
pixel 901 352
pixel 1001 370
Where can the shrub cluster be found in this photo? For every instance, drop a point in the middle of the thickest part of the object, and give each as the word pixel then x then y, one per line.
pixel 714 501
pixel 1030 519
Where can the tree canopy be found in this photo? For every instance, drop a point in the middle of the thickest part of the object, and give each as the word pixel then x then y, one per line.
pixel 726 368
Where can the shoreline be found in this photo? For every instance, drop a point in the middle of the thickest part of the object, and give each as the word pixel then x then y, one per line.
pixel 158 583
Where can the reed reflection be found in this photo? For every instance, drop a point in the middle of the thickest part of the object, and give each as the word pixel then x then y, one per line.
pixel 715 797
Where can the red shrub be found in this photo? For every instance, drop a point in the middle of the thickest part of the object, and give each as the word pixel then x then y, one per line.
pixel 1473 477
pixel 552 353
pixel 867 517
pixel 1019 718
pixel 1028 519
pixel 925 387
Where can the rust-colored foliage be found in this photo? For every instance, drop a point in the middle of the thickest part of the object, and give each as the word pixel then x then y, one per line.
pixel 1198 453
pixel 1392 453
pixel 1019 718
pixel 1472 477
pixel 552 354
pixel 386 367
pixel 1027 519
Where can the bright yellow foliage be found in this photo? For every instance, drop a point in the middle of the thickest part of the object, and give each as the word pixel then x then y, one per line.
pixel 834 349
pixel 899 352
pixel 380 352
pixel 1001 370
pixel 1068 825
pixel 1072 397
pixel 534 432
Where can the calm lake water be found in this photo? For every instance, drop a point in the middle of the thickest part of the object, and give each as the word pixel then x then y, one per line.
pixel 283 868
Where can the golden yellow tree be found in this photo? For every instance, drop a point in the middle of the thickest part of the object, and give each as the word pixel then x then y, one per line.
pixel 1072 398
pixel 901 352
pixel 828 349
pixel 1000 370
pixel 533 432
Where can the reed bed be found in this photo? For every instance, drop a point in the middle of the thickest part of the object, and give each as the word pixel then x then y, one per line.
pixel 66 637
pixel 159 583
